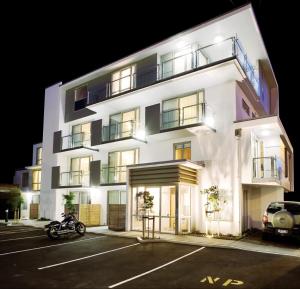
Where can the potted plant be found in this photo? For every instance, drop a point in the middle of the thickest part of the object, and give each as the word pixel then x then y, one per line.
pixel 69 202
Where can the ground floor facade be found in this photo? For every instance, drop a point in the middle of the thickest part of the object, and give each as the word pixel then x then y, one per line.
pixel 30 208
pixel 180 204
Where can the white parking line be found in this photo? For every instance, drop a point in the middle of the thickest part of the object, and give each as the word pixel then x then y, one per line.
pixel 39 236
pixel 43 247
pixel 87 257
pixel 155 269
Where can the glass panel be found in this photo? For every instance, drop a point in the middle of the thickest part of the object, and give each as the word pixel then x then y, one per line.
pixel 39 156
pixel 123 197
pixel 86 131
pixel 75 164
pixel 185 208
pixel 167 65
pixel 168 208
pixel 113 197
pixel 155 192
pixel 85 198
pixel 189 109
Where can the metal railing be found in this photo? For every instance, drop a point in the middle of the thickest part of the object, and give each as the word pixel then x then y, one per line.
pixel 74 178
pixel 208 54
pixel 112 175
pixel 265 168
pixel 187 115
pixel 75 140
pixel 118 130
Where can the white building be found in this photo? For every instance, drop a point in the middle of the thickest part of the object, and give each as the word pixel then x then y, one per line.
pixel 196 110
pixel 29 182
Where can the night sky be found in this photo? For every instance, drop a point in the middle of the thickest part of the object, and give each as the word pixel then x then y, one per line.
pixel 42 45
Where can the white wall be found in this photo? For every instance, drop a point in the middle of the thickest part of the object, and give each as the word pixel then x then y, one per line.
pixel 52 118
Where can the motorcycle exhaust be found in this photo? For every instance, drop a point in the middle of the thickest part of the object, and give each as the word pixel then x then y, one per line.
pixel 65 232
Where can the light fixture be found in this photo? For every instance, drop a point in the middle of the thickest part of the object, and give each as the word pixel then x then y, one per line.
pixel 209 120
pixel 265 132
pixel 181 44
pixel 218 39
pixel 140 134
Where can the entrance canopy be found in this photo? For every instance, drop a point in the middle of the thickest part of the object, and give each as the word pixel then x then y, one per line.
pixel 162 173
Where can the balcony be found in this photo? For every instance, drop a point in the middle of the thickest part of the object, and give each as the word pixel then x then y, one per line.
pixel 184 63
pixel 113 175
pixel 126 130
pixel 77 141
pixel 265 169
pixel 188 116
pixel 74 179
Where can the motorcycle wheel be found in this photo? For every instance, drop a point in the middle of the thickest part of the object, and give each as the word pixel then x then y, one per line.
pixel 80 228
pixel 52 234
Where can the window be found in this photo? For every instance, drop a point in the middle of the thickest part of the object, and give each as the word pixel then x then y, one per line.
pixel 245 107
pixel 81 94
pixel 25 177
pixel 176 62
pixel 36 180
pixel 183 110
pixel 117 162
pixel 123 80
pixel 287 162
pixel 39 155
pixel 182 151
pixel 81 134
pixel 123 124
pixel 80 171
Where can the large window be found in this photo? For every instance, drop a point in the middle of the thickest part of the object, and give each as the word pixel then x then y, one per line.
pixel 80 97
pixel 36 180
pixel 123 80
pixel 183 110
pixel 182 151
pixel 123 124
pixel 39 155
pixel 117 162
pixel 81 134
pixel 80 171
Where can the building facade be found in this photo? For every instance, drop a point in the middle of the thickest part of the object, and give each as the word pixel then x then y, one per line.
pixel 199 109
pixel 29 182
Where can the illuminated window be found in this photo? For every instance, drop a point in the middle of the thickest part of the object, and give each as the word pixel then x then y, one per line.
pixel 36 180
pixel 117 162
pixel 81 134
pixel 39 155
pixel 81 93
pixel 123 80
pixel 182 151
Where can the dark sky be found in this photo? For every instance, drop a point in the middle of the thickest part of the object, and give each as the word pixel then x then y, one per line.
pixel 42 45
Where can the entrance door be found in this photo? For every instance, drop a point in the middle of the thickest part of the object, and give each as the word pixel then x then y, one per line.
pixel 168 209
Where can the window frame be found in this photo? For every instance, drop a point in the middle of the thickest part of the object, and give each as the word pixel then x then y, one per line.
pixel 182 143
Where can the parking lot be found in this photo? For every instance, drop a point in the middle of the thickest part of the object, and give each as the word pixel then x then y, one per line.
pixel 30 260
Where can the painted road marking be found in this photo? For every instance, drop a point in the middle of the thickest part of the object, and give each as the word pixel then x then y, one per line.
pixel 87 257
pixel 39 236
pixel 211 280
pixel 155 269
pixel 43 247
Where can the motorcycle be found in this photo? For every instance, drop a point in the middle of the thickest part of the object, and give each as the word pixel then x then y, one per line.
pixel 68 225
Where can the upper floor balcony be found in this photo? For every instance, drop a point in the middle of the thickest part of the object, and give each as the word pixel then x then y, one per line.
pixel 75 140
pixel 265 169
pixel 172 65
pixel 187 116
pixel 113 175
pixel 119 130
pixel 75 179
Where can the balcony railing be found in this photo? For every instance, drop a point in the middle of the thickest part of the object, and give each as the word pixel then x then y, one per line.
pixel 265 168
pixel 112 175
pixel 188 115
pixel 74 178
pixel 75 140
pixel 118 130
pixel 206 55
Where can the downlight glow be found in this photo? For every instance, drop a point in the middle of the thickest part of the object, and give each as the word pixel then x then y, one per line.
pixel 218 39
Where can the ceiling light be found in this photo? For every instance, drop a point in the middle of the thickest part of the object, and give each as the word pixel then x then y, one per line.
pixel 218 39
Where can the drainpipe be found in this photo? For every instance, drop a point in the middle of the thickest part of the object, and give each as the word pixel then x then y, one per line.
pixel 238 186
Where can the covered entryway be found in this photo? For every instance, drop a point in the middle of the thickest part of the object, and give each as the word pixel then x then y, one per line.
pixel 172 186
